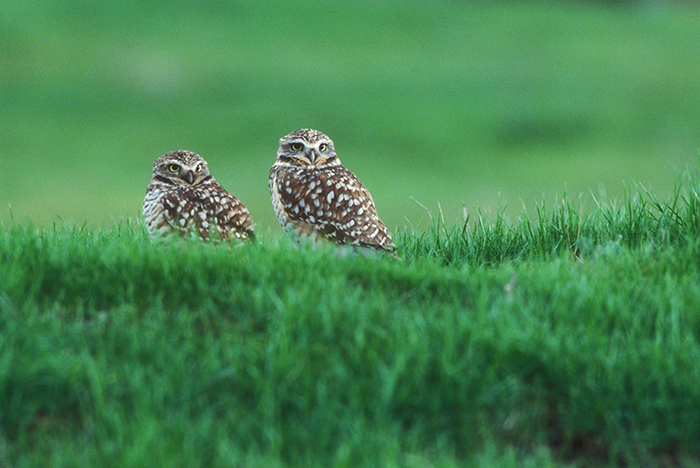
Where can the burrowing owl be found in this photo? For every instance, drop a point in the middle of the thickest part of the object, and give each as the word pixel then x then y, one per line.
pixel 315 196
pixel 183 197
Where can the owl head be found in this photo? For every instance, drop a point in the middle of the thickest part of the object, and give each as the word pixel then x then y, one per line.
pixel 181 168
pixel 307 148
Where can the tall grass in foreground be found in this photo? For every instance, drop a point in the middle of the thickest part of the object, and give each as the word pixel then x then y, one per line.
pixel 640 219
pixel 567 340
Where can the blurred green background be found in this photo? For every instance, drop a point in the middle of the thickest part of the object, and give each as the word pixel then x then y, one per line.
pixel 457 104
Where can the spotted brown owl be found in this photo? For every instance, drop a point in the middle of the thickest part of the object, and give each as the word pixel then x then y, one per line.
pixel 184 198
pixel 315 196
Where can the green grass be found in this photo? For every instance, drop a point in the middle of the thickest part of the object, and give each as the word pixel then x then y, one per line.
pixel 557 340
pixel 452 103
pixel 562 333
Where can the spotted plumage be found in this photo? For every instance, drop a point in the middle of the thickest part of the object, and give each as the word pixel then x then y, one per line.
pixel 315 196
pixel 184 198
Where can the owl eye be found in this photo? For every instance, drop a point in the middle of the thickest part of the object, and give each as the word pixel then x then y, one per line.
pixel 297 146
pixel 323 147
pixel 199 168
pixel 173 168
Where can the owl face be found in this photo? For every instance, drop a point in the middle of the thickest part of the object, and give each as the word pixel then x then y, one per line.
pixel 307 148
pixel 181 168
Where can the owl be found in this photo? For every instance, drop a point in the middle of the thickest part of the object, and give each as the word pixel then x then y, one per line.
pixel 184 198
pixel 316 197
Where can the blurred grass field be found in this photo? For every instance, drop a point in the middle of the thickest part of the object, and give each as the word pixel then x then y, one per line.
pixel 460 105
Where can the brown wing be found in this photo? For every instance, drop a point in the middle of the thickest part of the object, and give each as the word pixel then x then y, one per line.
pixel 204 209
pixel 334 202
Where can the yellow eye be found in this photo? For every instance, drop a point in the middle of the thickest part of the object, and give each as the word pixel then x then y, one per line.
pixel 199 168
pixel 297 146
pixel 323 147
pixel 173 168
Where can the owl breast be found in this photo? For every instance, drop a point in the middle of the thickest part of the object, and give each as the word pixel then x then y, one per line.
pixel 327 203
pixel 200 210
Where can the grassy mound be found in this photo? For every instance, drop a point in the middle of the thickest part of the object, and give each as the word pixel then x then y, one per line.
pixel 563 339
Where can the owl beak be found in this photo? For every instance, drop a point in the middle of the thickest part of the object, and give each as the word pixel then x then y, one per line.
pixel 189 177
pixel 313 156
